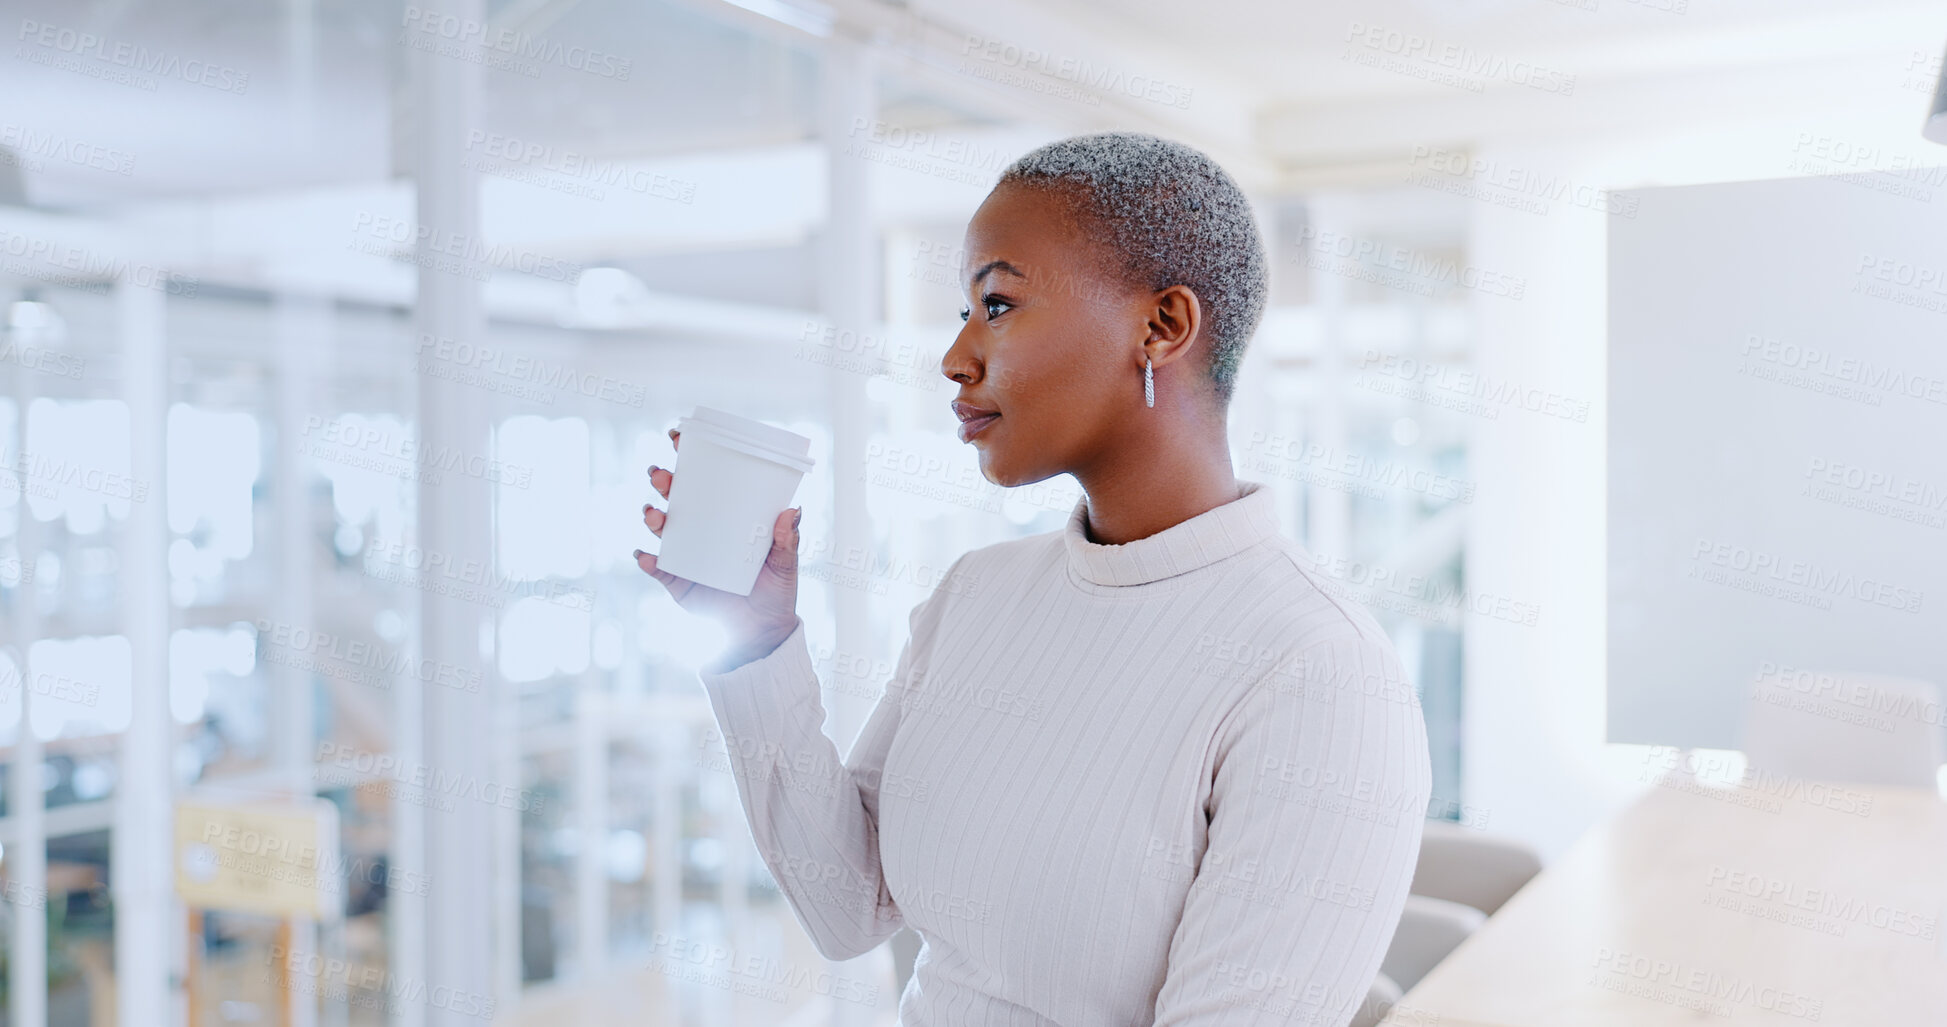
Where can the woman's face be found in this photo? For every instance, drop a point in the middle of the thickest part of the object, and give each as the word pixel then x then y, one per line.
pixel 1052 342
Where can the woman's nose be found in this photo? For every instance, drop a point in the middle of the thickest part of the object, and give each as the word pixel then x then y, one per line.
pixel 957 363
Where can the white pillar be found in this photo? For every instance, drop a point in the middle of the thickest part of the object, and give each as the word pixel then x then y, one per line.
pixel 302 328
pixel 505 902
pixel 1269 397
pixel 146 927
pixel 456 728
pixel 406 909
pixel 301 61
pixel 591 824
pixel 26 856
pixel 847 298
pixel 1536 532
pixel 1328 512
pixel 670 740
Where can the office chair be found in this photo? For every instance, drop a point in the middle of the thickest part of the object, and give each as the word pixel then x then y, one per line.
pixel 905 952
pixel 1856 728
pixel 1429 929
pixel 1463 865
pixel 1380 1000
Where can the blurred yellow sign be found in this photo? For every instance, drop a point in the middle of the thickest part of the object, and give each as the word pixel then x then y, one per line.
pixel 274 858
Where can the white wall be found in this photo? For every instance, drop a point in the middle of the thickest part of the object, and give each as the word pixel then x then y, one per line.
pixel 1535 758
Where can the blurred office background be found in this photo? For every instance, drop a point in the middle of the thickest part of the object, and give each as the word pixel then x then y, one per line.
pixel 339 335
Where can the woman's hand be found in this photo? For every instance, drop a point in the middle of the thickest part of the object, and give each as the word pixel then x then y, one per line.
pixel 756 623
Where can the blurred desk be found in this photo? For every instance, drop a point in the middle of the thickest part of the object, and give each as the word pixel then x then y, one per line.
pixel 1792 903
pixel 65 878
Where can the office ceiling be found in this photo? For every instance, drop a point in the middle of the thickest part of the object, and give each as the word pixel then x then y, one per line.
pixel 318 105
pixel 1293 52
pixel 324 74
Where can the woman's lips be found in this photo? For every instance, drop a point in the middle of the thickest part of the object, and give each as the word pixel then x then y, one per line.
pixel 974 426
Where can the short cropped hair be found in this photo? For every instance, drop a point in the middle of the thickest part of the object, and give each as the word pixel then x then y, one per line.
pixel 1172 217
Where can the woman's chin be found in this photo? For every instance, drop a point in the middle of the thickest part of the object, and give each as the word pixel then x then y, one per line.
pixel 994 469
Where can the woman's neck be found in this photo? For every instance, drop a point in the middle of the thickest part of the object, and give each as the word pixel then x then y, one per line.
pixel 1160 480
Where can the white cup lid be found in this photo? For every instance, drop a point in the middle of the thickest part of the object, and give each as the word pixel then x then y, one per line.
pixel 787 443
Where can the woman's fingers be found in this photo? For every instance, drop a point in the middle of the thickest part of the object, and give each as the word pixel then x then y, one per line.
pixel 675 438
pixel 661 477
pixel 678 587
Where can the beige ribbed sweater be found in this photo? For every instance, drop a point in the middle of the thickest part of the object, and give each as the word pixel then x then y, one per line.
pixel 1169 782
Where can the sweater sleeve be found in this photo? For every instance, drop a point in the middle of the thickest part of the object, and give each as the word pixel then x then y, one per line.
pixel 814 818
pixel 1314 821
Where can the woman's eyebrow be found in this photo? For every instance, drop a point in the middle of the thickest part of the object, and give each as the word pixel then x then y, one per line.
pixel 996 265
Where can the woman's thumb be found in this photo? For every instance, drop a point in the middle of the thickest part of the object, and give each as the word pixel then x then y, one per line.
pixel 784 536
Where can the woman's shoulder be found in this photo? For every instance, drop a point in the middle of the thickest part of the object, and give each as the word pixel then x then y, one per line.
pixel 1311 605
pixel 983 569
pixel 1018 552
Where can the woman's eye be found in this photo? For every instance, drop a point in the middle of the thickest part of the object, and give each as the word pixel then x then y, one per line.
pixel 992 306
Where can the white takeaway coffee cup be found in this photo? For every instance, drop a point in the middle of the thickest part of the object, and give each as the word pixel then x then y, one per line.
pixel 733 477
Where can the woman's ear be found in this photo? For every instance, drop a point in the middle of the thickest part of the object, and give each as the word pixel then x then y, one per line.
pixel 1175 317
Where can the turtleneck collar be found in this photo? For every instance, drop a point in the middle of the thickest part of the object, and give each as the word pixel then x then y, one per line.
pixel 1198 542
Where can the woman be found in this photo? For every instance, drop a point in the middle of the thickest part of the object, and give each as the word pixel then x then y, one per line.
pixel 1139 770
